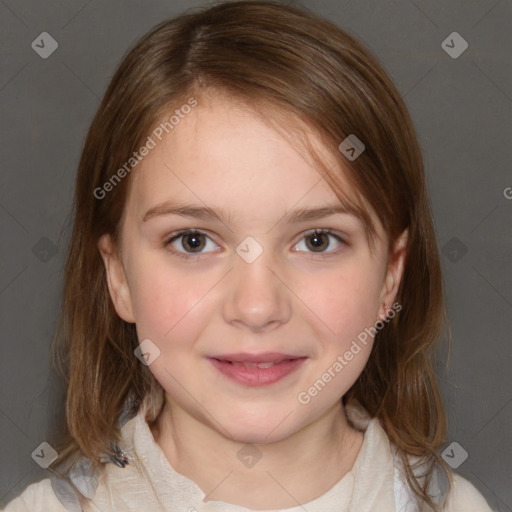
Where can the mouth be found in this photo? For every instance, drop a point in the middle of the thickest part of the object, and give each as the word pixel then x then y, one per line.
pixel 257 369
pixel 267 359
pixel 253 364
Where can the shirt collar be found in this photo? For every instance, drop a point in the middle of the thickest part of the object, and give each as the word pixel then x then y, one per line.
pixel 369 484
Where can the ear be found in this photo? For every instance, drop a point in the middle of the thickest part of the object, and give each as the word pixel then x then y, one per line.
pixel 394 273
pixel 116 279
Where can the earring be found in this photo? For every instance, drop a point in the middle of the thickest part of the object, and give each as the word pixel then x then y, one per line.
pixel 384 315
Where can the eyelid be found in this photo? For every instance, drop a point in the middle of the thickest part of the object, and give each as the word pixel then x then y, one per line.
pixel 183 232
pixel 327 231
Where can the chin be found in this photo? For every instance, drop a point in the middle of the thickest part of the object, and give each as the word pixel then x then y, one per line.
pixel 255 436
pixel 253 429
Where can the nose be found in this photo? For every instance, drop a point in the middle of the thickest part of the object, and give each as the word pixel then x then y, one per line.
pixel 257 298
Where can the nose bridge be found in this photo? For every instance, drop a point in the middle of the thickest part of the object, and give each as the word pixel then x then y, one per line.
pixel 256 297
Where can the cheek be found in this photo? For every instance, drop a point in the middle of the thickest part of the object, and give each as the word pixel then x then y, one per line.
pixel 342 307
pixel 344 303
pixel 171 308
pixel 169 302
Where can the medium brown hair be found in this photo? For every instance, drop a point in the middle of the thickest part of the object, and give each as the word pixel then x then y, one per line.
pixel 298 66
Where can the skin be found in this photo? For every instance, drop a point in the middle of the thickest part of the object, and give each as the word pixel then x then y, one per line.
pixel 291 299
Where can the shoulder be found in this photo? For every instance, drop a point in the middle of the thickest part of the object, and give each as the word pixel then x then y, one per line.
pixel 464 497
pixel 460 496
pixel 37 497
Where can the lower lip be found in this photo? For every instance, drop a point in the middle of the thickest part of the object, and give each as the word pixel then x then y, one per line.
pixel 258 376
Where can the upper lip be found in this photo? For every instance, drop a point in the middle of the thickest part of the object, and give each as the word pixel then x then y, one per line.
pixel 264 357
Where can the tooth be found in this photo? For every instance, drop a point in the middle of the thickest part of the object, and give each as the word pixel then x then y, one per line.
pixel 250 364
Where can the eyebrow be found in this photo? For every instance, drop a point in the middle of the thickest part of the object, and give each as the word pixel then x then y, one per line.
pixel 207 213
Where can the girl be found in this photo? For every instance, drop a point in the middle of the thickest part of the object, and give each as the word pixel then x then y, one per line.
pixel 253 288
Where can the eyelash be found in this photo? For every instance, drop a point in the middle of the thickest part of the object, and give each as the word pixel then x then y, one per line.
pixel 313 232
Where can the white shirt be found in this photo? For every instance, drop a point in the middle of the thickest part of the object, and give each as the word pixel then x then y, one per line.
pixel 149 482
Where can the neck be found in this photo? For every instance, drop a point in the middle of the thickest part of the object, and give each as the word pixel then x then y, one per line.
pixel 293 470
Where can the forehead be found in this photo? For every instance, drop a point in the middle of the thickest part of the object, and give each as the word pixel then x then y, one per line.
pixel 225 154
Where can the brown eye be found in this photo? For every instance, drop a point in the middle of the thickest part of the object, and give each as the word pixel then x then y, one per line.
pixel 190 243
pixel 318 241
pixel 193 242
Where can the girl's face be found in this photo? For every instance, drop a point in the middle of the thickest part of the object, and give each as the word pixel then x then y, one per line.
pixel 254 279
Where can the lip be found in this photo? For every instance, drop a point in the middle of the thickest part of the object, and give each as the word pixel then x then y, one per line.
pixel 258 376
pixel 263 357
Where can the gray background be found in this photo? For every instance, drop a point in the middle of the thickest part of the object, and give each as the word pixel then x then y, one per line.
pixel 461 108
